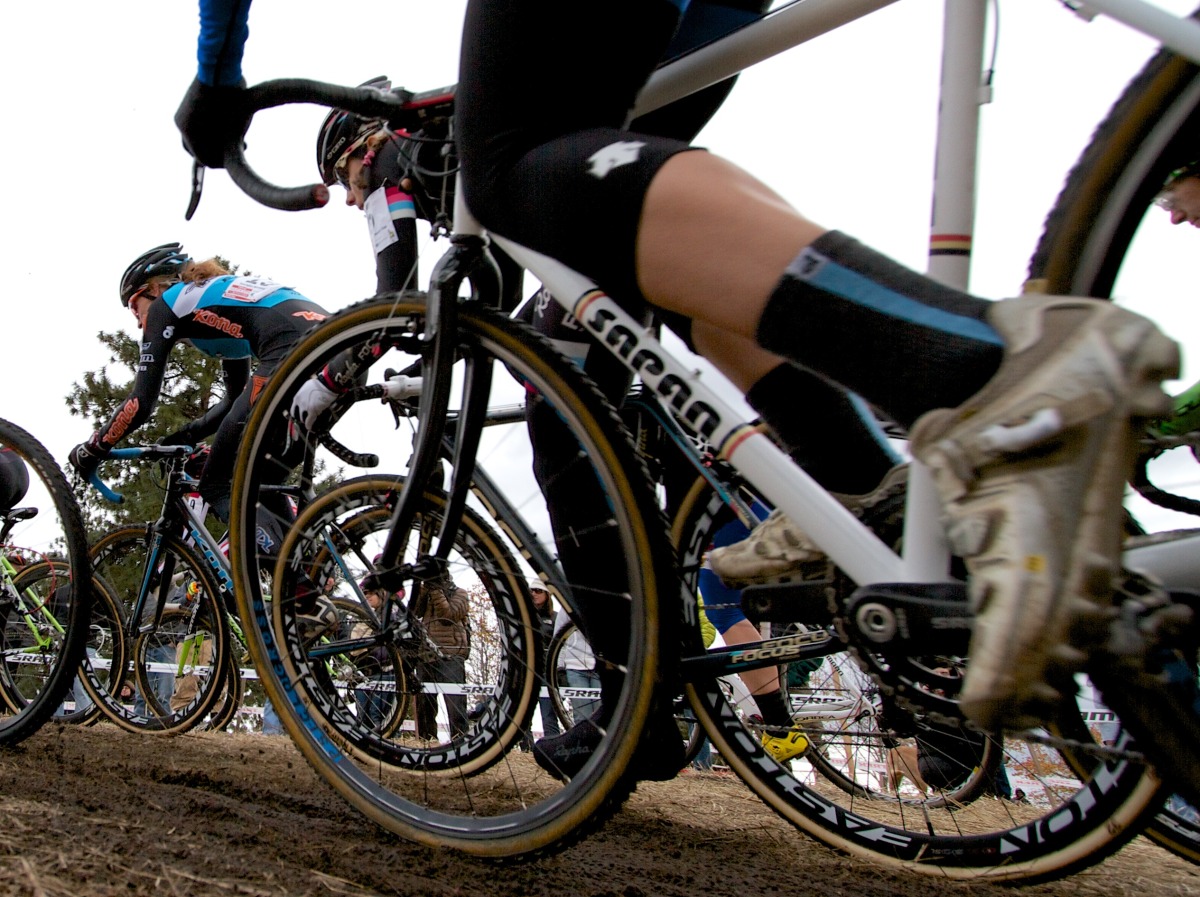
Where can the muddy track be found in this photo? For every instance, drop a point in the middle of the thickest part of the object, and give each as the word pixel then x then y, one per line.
pixel 102 812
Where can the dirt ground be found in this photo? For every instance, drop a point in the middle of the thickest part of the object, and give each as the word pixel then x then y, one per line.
pixel 101 812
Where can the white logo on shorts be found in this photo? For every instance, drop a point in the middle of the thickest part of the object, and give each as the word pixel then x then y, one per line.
pixel 613 156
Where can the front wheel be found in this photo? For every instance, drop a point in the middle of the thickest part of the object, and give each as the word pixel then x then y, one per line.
pixel 45 587
pixel 613 550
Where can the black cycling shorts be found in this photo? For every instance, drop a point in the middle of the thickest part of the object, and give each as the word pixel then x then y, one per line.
pixel 545 159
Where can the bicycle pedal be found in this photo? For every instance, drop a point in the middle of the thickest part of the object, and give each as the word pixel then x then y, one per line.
pixel 807 601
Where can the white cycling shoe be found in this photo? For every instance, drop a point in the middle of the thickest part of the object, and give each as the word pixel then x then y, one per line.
pixel 1031 471
pixel 778 551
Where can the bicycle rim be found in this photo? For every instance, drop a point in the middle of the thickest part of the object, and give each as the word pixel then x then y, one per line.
pixel 376 671
pixel 47 594
pixel 512 807
pixel 841 790
pixel 174 670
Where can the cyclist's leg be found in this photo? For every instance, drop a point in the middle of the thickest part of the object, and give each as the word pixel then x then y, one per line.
pixel 218 471
pixel 688 231
pixel 573 500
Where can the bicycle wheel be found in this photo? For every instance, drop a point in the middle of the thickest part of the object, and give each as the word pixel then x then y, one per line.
pixel 511 806
pixel 575 701
pixel 378 667
pixel 45 590
pixel 175 668
pixel 1105 238
pixel 839 790
pixel 104 652
pixel 29 636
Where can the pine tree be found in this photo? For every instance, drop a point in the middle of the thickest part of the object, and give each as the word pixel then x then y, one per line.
pixel 192 384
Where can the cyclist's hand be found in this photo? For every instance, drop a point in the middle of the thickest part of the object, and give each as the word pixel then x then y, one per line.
pixel 211 119
pixel 195 464
pixel 313 400
pixel 179 437
pixel 85 458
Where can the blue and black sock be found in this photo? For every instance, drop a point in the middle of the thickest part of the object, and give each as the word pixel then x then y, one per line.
pixel 903 342
pixel 826 430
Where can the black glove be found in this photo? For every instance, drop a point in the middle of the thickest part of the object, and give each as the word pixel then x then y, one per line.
pixel 85 458
pixel 179 437
pixel 194 465
pixel 211 119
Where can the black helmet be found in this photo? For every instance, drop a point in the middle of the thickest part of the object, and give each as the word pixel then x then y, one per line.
pixel 342 132
pixel 164 260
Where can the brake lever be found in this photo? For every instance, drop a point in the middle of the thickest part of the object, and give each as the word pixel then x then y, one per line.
pixel 197 186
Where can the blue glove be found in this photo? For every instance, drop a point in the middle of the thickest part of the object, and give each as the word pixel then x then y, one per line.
pixel 211 119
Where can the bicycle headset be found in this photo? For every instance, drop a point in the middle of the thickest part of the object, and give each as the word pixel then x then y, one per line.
pixel 162 261
pixel 343 132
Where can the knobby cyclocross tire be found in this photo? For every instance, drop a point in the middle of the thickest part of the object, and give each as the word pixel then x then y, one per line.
pixel 839 794
pixel 513 807
pixel 175 669
pixel 45 612
pixel 1103 226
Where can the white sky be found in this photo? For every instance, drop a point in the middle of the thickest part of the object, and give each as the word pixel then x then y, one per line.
pixel 842 128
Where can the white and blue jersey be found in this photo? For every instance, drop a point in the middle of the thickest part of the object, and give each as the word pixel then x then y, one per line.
pixel 236 319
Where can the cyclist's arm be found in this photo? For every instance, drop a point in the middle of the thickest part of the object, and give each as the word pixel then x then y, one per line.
pixel 157 340
pixel 392 222
pixel 236 374
pixel 223 33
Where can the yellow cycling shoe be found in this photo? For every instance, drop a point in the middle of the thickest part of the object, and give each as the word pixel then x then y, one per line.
pixel 785 747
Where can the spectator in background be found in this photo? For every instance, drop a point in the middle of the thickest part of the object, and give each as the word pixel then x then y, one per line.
pixel 443 609
pixel 544 607
pixel 1180 195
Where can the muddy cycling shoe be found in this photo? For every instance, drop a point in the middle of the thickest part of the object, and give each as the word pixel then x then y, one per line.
pixel 1031 471
pixel 778 551
pixel 659 756
pixel 564 755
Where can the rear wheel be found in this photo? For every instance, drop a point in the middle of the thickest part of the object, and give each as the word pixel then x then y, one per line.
pixel 1105 237
pixel 843 790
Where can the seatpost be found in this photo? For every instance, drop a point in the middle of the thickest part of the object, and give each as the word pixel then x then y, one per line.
pixel 962 91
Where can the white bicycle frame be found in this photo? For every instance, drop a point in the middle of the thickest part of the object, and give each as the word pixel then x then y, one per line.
pixel 845 539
